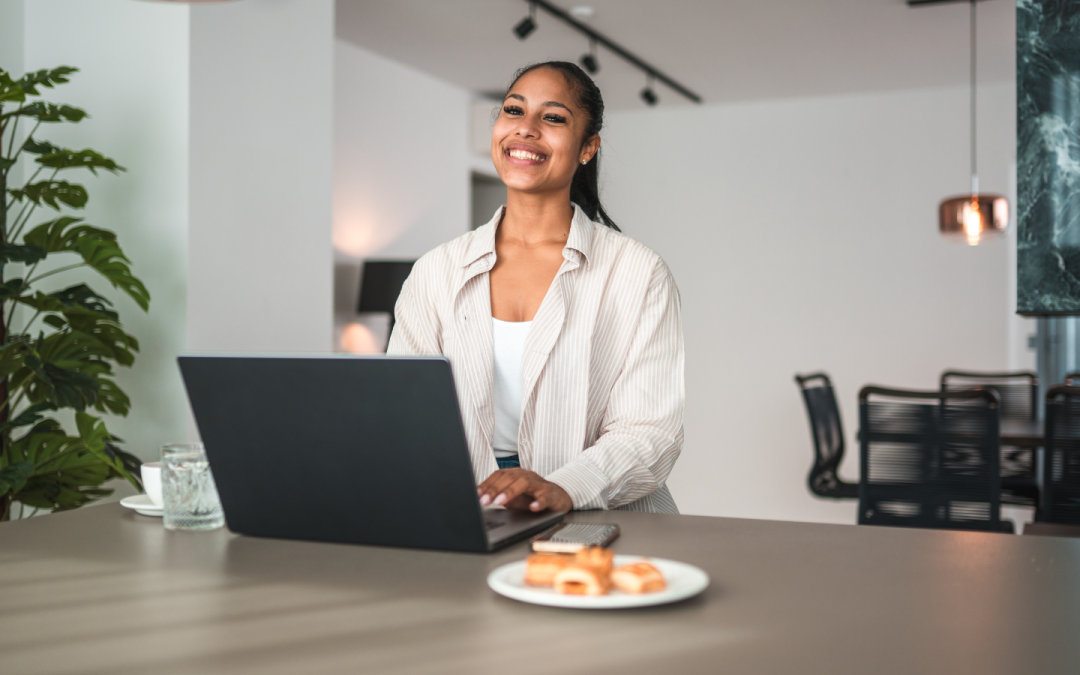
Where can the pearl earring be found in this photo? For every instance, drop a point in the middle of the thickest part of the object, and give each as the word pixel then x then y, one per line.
pixel 584 161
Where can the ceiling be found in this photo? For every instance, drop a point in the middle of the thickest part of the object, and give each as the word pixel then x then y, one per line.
pixel 724 50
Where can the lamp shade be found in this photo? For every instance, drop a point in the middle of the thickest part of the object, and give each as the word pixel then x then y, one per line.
pixel 973 218
pixel 380 284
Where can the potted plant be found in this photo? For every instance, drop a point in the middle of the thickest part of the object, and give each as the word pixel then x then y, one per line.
pixel 59 344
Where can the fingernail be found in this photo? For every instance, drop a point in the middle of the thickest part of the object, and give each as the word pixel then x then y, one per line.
pixel 535 506
pixel 500 500
pixel 485 500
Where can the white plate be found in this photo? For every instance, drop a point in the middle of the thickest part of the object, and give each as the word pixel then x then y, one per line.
pixel 683 581
pixel 142 504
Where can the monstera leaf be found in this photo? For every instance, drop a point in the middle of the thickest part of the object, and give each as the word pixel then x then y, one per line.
pixel 49 112
pixel 52 193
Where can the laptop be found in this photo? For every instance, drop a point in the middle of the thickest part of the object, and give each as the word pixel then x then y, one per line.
pixel 358 450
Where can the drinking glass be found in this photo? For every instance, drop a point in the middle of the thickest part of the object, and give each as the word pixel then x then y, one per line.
pixel 187 489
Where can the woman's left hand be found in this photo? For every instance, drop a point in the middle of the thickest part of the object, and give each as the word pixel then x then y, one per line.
pixel 523 490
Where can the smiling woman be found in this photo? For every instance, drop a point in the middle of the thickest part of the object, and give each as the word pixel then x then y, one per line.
pixel 565 335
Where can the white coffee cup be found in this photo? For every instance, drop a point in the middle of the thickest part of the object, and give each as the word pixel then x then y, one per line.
pixel 151 480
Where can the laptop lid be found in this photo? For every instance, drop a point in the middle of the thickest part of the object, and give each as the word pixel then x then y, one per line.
pixel 366 450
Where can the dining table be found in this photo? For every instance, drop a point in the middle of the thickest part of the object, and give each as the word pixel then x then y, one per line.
pixel 105 591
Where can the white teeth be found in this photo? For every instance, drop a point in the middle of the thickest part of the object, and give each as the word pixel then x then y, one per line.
pixel 522 154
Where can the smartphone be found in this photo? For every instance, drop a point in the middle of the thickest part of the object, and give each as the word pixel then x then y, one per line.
pixel 572 537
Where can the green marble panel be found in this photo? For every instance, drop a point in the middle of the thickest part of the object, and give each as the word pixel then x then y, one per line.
pixel 1048 156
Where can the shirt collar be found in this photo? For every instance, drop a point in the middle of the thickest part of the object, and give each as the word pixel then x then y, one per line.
pixel 579 240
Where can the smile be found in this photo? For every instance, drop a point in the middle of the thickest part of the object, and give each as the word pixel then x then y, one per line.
pixel 525 155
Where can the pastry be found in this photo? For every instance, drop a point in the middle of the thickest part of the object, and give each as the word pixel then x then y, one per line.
pixel 579 579
pixel 596 556
pixel 541 568
pixel 640 577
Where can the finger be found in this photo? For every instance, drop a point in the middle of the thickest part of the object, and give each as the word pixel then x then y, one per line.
pixel 496 483
pixel 541 498
pixel 487 482
pixel 520 503
pixel 518 486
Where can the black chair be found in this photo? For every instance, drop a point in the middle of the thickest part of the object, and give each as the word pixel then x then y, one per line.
pixel 1019 394
pixel 828 436
pixel 930 459
pixel 1061 468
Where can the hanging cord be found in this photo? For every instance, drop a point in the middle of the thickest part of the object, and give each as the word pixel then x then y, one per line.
pixel 974 156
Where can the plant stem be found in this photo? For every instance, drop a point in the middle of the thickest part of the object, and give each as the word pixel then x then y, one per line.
pixel 11 139
pixel 58 270
pixel 26 328
pixel 18 226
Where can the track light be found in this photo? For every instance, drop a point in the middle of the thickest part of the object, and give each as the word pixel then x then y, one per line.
pixel 647 94
pixel 527 25
pixel 588 60
pixel 575 18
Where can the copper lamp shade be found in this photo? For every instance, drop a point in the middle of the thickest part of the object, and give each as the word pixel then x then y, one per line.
pixel 973 218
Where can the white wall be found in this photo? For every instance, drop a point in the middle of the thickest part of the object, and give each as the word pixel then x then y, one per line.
pixel 401 166
pixel 261 101
pixel 133 82
pixel 803 236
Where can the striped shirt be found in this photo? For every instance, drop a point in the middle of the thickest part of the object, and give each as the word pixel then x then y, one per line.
pixel 602 409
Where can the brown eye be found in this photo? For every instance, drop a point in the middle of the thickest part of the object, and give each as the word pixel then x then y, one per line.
pixel 555 118
pixel 512 110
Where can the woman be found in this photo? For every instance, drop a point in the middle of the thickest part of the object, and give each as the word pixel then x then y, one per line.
pixel 565 335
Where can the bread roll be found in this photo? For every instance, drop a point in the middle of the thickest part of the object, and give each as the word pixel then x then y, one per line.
pixel 578 579
pixel 541 568
pixel 640 577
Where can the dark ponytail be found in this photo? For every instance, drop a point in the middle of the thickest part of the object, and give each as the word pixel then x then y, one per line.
pixel 585 188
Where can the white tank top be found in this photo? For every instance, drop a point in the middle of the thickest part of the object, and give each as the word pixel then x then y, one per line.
pixel 509 341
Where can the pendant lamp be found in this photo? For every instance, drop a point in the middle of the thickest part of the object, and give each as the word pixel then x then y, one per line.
pixel 974 217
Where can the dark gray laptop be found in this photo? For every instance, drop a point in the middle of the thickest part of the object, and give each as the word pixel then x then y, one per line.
pixel 360 450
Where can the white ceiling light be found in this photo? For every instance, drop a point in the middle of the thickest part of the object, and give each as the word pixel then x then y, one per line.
pixel 582 12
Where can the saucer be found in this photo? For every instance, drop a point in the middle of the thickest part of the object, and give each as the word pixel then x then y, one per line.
pixel 142 504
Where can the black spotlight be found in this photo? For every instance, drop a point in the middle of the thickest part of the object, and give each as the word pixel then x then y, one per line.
pixel 649 96
pixel 527 25
pixel 588 61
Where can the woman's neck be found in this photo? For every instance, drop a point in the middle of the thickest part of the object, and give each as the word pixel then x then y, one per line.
pixel 536 218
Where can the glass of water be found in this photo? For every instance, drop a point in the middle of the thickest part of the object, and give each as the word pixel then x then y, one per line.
pixel 188 493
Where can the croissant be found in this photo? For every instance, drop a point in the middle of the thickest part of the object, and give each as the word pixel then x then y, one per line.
pixel 578 579
pixel 541 568
pixel 640 577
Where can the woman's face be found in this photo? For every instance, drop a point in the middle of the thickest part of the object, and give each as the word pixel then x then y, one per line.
pixel 536 144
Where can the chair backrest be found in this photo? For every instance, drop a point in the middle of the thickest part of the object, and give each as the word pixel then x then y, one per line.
pixel 1072 379
pixel 1061 468
pixel 1018 391
pixel 828 433
pixel 930 458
